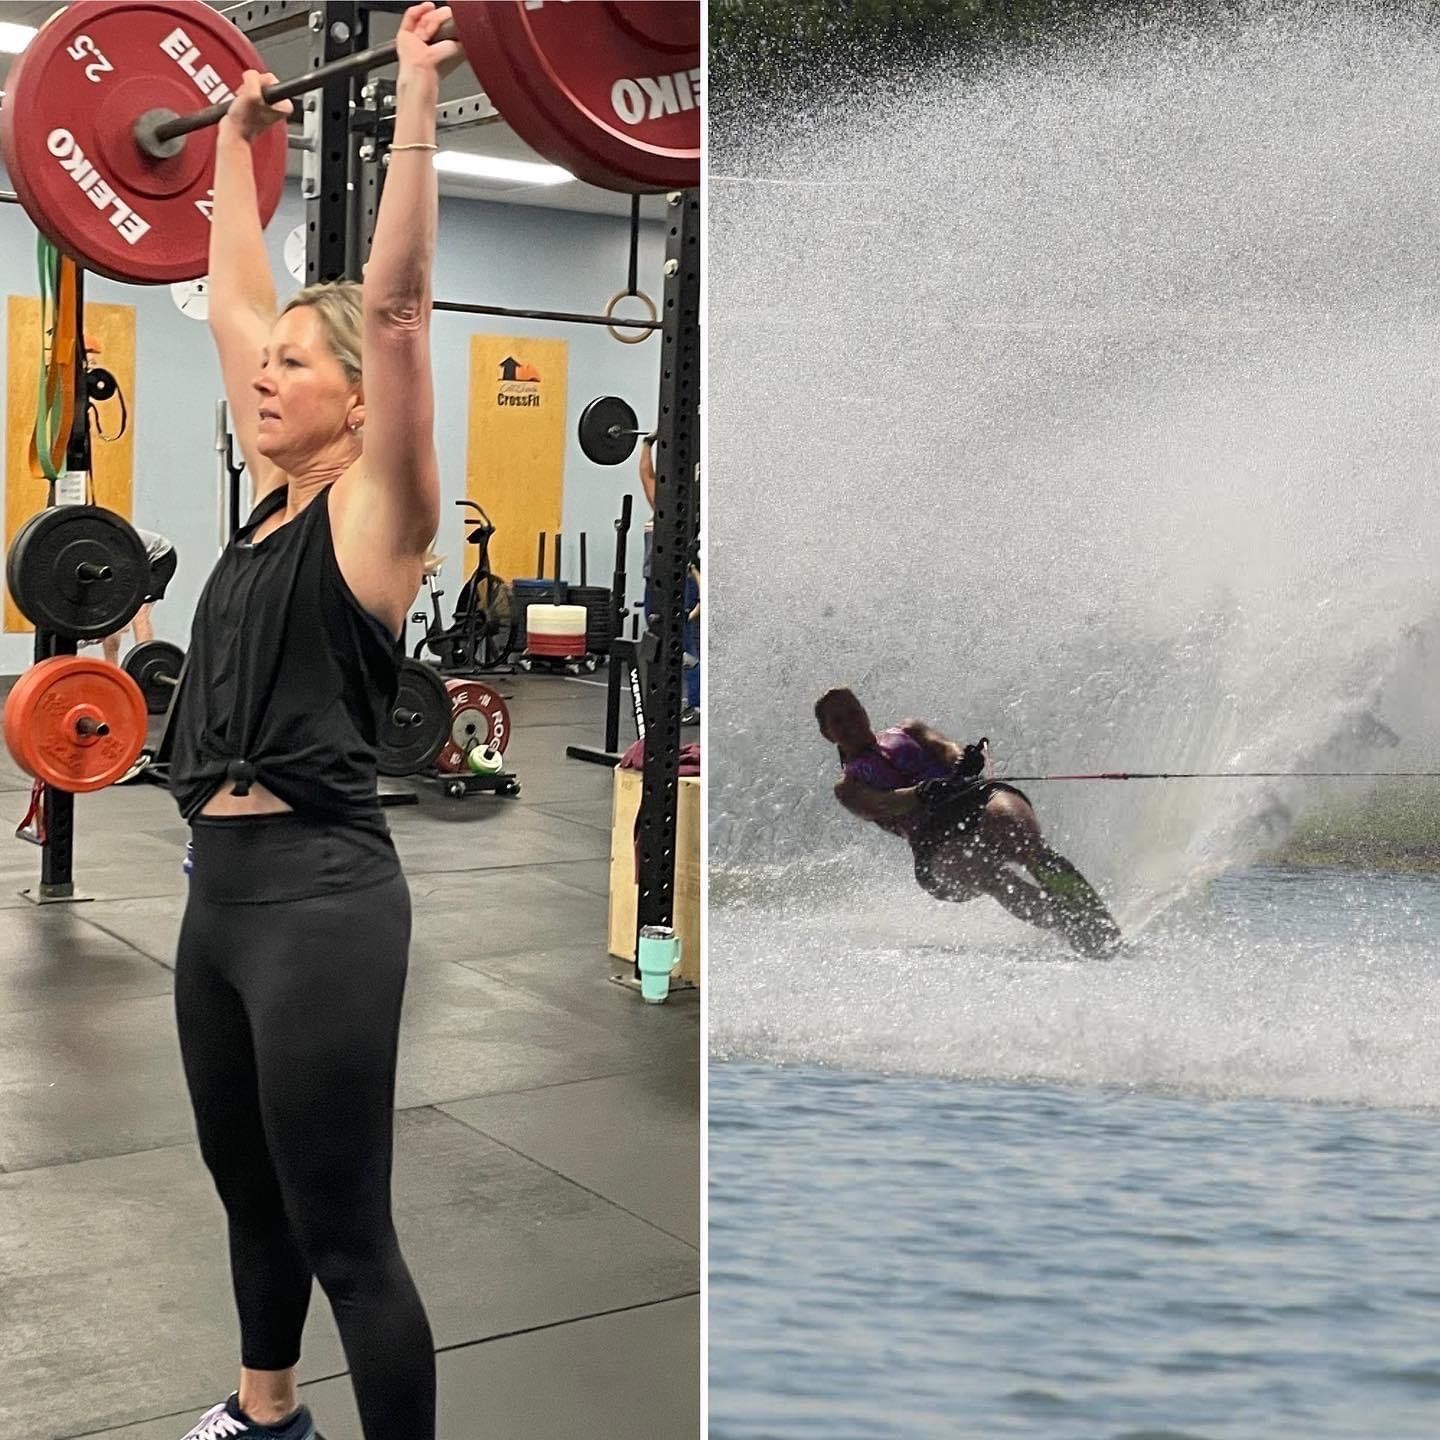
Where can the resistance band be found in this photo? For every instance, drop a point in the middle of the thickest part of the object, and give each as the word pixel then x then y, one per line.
pixel 55 401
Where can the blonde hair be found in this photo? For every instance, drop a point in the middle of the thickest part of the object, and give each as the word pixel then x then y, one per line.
pixel 338 305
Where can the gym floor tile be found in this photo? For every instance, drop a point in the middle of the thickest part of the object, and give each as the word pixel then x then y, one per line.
pixel 464 1034
pixel 109 864
pixel 476 914
pixel 544 747
pixel 578 978
pixel 151 924
pixel 547 787
pixel 80 1081
pixel 596 813
pixel 51 956
pixel 497 1243
pixel 576 714
pixel 611 1377
pixel 592 876
pixel 546 784
pixel 591 1131
pixel 476 841
pixel 458 915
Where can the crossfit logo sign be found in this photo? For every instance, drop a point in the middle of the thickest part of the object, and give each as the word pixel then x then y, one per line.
pixel 519 383
pixel 649 97
pixel 64 147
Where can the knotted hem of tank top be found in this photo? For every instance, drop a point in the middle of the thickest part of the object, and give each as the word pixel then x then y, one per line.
pixel 243 773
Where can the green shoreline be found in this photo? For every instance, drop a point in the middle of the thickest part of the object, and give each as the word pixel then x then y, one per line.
pixel 1317 856
pixel 1395 827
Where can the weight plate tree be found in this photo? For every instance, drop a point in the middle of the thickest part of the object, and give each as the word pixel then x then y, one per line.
pixel 348 134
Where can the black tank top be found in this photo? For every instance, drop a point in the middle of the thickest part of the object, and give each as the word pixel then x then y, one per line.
pixel 287 678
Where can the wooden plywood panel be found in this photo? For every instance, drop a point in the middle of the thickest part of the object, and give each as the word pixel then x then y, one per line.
pixel 515 467
pixel 111 333
pixel 625 894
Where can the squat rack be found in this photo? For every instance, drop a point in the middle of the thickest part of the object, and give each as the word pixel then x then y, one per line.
pixel 345 159
pixel 349 127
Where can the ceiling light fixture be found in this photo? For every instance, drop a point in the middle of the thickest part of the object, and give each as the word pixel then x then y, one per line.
pixel 493 167
pixel 14 38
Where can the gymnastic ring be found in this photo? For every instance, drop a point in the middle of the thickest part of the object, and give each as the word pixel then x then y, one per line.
pixel 615 299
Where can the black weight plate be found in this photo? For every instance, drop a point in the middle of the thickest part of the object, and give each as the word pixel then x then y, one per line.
pixel 43 571
pixel 597 419
pixel 155 667
pixel 418 723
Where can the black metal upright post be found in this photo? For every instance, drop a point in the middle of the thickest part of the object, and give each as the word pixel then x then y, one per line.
pixel 373 121
pixel 621 659
pixel 676 480
pixel 341 28
pixel 57 811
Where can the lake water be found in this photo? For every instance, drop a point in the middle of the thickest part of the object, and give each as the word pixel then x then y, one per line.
pixel 977 1188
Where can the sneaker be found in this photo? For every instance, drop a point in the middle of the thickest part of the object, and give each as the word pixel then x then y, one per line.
pixel 689 716
pixel 229 1422
pixel 143 761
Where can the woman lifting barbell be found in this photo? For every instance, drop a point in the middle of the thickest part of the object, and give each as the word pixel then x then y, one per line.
pixel 294 946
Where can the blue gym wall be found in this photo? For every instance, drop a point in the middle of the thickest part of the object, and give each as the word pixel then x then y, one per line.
pixel 488 253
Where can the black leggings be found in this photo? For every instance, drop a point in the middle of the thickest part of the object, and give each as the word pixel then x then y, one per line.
pixel 288 984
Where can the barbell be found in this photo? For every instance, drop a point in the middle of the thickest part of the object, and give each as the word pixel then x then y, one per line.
pixel 79 724
pixel 608 430
pixel 156 667
pixel 112 161
pixel 451 726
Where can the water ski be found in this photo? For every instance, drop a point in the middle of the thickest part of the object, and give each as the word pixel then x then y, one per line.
pixel 1081 916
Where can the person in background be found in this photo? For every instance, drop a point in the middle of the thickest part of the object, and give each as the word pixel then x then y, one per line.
pixel 162 558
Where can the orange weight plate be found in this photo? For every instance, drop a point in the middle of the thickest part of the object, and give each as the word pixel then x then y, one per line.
pixel 75 723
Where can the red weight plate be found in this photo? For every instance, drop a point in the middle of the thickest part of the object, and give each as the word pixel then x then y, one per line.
pixel 51 716
pixel 478 716
pixel 610 90
pixel 67 134
pixel 567 647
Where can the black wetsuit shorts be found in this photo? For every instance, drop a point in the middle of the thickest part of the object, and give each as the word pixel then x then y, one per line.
pixel 954 817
